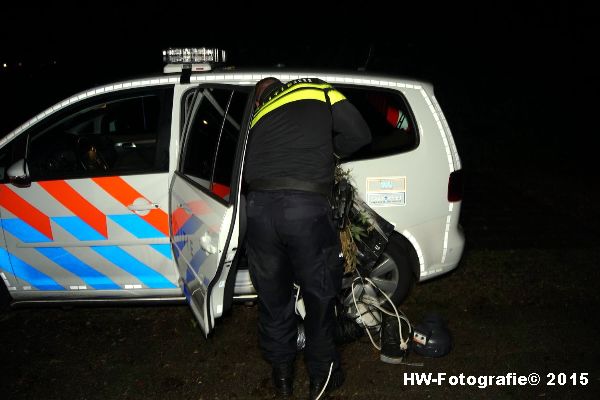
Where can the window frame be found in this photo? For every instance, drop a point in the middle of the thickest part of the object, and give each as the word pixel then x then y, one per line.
pixel 417 133
pixel 185 133
pixel 56 119
pixel 198 102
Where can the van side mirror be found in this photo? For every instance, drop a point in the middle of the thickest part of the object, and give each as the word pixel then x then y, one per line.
pixel 18 174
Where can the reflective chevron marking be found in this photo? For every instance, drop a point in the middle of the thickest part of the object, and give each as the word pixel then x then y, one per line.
pixel 26 233
pixel 25 211
pixel 179 218
pixel 137 226
pixel 119 257
pixel 191 226
pixel 77 204
pixel 23 231
pixel 126 195
pixel 164 249
pixel 197 259
pixel 27 273
pixel 71 263
pixel 141 271
pixel 141 229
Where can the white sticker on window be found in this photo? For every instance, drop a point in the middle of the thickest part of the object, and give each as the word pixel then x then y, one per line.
pixel 386 191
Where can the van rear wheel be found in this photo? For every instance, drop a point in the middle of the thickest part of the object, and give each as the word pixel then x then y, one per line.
pixel 392 274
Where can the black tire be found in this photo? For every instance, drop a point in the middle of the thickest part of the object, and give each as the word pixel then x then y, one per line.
pixel 393 273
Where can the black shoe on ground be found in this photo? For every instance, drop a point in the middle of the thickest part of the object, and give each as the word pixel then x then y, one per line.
pixel 391 352
pixel 347 330
pixel 335 381
pixel 283 379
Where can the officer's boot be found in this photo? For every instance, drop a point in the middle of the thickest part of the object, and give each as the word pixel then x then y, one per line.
pixel 391 352
pixel 283 379
pixel 317 389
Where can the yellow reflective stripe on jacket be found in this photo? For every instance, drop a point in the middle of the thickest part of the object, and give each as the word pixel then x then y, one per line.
pixel 335 96
pixel 290 88
pixel 301 94
pixel 303 91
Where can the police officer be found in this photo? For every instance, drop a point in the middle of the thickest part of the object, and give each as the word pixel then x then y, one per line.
pixel 295 130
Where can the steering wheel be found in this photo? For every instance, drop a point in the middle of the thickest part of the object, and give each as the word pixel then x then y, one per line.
pixel 59 161
pixel 56 156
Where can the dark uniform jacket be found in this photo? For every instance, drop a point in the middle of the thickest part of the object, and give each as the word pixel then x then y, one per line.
pixel 296 131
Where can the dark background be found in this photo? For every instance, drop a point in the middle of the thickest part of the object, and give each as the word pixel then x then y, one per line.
pixel 517 83
pixel 516 76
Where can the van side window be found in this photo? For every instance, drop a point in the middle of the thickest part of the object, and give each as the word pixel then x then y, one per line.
pixel 390 119
pixel 211 142
pixel 122 133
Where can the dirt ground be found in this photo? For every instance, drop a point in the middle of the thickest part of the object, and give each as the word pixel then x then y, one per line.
pixel 524 300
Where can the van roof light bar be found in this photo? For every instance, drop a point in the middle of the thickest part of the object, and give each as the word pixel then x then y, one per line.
pixel 192 59
pixel 192 55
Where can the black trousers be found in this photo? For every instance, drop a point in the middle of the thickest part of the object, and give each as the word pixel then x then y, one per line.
pixel 291 238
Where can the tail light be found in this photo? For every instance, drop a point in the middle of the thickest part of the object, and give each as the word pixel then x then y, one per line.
pixel 455 186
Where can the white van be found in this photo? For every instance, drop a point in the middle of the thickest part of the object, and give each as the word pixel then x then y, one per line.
pixel 133 191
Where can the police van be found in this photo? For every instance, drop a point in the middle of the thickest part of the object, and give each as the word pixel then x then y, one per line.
pixel 133 191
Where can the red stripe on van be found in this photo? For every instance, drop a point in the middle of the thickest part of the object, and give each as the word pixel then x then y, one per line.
pixel 179 218
pixel 25 211
pixel 77 204
pixel 126 195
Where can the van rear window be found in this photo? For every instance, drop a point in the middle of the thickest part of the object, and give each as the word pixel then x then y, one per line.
pixel 391 121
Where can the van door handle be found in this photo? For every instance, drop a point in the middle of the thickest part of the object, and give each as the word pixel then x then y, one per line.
pixel 126 145
pixel 142 207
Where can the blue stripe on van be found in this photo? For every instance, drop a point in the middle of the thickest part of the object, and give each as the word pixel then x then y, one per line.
pixel 89 275
pixel 78 228
pixel 180 244
pixel 82 231
pixel 141 229
pixel 137 226
pixel 141 271
pixel 190 227
pixel 27 234
pixel 26 272
pixel 197 260
pixel 164 249
pixel 5 261
pixel 23 231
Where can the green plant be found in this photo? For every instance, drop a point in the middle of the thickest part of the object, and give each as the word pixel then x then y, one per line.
pixel 358 225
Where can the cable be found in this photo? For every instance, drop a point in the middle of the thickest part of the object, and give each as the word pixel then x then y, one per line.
pixel 360 315
pixel 299 303
pixel 403 343
pixel 398 314
pixel 373 303
pixel 326 382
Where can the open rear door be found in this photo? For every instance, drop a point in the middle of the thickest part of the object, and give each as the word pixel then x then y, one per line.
pixel 202 226
pixel 203 198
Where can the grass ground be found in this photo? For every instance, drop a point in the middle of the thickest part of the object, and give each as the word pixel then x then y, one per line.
pixel 524 299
